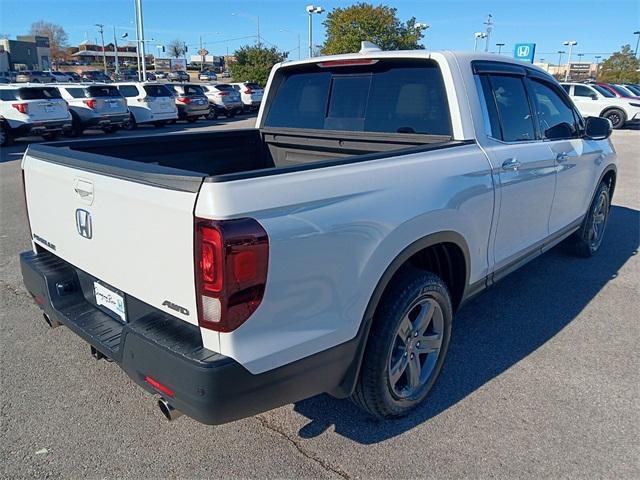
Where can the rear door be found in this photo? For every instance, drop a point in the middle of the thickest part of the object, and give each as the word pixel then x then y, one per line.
pixel 588 99
pixel 45 103
pixel 125 228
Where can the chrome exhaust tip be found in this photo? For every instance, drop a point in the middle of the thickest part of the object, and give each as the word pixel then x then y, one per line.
pixel 168 411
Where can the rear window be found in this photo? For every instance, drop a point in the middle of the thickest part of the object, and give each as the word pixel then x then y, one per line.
pixel 388 96
pixel 192 90
pixel 254 86
pixel 157 91
pixel 38 93
pixel 223 87
pixel 103 91
pixel 76 92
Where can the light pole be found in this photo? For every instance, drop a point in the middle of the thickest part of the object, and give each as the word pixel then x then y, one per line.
pixel 560 52
pixel 140 29
pixel 298 36
pixel 104 55
pixel 570 44
pixel 489 24
pixel 256 19
pixel 597 57
pixel 115 48
pixel 499 45
pixel 580 55
pixel 476 37
pixel 311 9
pixel 637 32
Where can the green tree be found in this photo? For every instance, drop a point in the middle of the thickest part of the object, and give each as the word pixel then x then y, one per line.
pixel 253 63
pixel 620 67
pixel 176 48
pixel 347 27
pixel 57 37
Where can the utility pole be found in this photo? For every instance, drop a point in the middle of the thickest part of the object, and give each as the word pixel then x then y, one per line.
pixel 637 32
pixel 489 24
pixel 115 46
pixel 201 56
pixel 104 54
pixel 140 25
pixel 570 44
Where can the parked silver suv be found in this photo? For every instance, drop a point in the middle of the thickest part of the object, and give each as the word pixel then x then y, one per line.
pixel 34 76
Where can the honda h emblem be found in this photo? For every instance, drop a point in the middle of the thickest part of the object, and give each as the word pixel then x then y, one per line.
pixel 523 50
pixel 83 223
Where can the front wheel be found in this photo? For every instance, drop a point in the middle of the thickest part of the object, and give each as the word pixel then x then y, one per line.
pixel 130 123
pixel 588 239
pixel 407 345
pixel 213 114
pixel 616 116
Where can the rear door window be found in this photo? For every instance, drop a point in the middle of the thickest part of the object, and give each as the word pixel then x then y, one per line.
pixel 552 110
pixel 76 92
pixel 7 95
pixel 388 96
pixel 157 91
pixel 192 90
pixel 128 90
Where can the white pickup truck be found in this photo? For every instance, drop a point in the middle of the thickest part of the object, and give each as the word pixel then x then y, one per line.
pixel 325 250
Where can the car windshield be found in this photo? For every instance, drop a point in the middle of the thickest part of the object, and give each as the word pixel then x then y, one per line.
pixel 622 91
pixel 157 91
pixel 38 93
pixel 103 91
pixel 603 91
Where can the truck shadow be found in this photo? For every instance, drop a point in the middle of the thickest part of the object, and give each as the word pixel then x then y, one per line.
pixel 495 331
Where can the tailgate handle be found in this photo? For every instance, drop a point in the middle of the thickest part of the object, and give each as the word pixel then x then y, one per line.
pixel 84 189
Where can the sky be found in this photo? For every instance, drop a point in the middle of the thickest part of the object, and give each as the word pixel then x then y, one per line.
pixel 599 27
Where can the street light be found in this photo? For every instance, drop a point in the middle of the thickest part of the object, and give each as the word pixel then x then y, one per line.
pixel 597 57
pixel 570 44
pixel 637 32
pixel 476 37
pixel 499 45
pixel 311 9
pixel 256 19
pixel 297 35
pixel 104 55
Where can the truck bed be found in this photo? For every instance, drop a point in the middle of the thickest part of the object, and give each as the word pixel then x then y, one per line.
pixel 182 160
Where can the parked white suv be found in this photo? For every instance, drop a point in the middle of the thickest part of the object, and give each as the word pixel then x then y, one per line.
pixel 32 110
pixel 250 93
pixel 593 100
pixel 223 99
pixel 94 105
pixel 148 103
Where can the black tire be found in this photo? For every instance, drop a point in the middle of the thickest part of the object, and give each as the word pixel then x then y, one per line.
pixel 110 129
pixel 375 390
pixel 159 124
pixel 130 123
pixel 191 119
pixel 230 113
pixel 76 126
pixel 5 134
pixel 616 116
pixel 50 136
pixel 213 114
pixel 588 239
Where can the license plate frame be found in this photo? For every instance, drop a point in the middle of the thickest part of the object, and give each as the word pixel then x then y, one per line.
pixel 110 299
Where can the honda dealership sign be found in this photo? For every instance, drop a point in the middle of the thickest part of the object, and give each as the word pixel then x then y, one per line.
pixel 524 52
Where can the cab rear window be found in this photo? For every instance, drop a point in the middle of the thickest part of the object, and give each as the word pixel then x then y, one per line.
pixel 38 93
pixel 391 96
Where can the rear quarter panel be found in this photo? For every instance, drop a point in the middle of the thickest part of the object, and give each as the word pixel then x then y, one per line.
pixel 333 232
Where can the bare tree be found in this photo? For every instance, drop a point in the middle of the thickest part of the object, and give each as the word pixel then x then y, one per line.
pixel 176 48
pixel 57 36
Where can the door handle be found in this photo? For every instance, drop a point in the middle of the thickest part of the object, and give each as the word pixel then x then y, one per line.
pixel 510 164
pixel 562 157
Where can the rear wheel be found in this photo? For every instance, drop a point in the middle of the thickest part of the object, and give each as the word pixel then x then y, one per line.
pixel 159 124
pixel 213 114
pixel 5 134
pixel 76 126
pixel 588 239
pixel 130 123
pixel 616 116
pixel 407 345
pixel 230 113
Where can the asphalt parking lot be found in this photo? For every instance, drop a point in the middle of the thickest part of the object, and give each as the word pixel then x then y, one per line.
pixel 542 380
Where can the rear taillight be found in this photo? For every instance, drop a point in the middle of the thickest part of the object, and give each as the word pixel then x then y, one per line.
pixel 185 100
pixel 231 261
pixel 248 91
pixel 21 107
pixel 222 94
pixel 91 103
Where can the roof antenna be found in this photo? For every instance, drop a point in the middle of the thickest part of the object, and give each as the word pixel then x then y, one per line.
pixel 368 47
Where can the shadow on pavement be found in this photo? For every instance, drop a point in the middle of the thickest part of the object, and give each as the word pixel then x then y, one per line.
pixel 495 331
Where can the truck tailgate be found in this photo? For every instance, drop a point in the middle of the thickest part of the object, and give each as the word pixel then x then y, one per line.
pixel 131 235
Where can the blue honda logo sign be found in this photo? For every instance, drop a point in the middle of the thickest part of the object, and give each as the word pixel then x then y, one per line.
pixel 524 52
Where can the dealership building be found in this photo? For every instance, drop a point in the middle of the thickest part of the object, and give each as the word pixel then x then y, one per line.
pixel 87 53
pixel 26 52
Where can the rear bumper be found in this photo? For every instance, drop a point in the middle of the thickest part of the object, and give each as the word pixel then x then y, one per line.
pixel 209 387
pixel 185 111
pixel 105 120
pixel 38 128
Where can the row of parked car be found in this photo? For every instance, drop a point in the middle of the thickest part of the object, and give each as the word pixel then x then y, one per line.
pixel 52 109
pixel 620 103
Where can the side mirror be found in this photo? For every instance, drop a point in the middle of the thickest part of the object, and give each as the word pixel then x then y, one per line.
pixel 597 128
pixel 594 96
pixel 559 131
